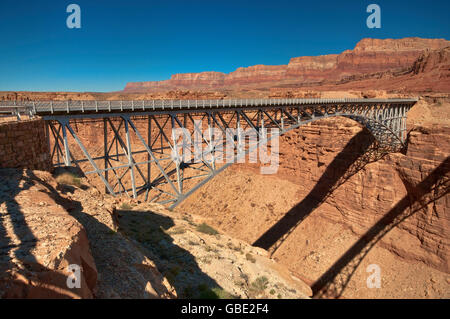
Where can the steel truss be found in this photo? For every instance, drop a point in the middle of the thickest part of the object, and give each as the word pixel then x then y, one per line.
pixel 143 156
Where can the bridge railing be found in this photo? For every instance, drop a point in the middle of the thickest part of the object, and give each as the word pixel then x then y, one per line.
pixel 37 107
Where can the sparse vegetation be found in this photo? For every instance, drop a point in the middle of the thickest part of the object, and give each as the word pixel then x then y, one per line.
pixel 68 179
pixel 213 293
pixel 211 249
pixel 126 206
pixel 236 248
pixel 188 219
pixel 244 276
pixel 112 232
pixel 206 229
pixel 176 231
pixel 258 286
pixel 172 273
pixel 205 260
pixel 189 292
pixel 203 287
pixel 175 270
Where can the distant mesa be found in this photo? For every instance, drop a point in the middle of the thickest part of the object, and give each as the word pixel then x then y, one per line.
pixel 369 56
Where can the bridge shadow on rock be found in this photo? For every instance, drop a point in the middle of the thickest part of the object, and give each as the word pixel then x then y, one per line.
pixel 435 186
pixel 21 274
pixel 361 150
pixel 13 182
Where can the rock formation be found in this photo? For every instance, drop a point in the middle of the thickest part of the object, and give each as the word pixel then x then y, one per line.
pixel 334 199
pixel 368 57
pixel 39 240
pixel 44 231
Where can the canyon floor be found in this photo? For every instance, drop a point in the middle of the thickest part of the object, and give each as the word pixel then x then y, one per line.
pixel 311 230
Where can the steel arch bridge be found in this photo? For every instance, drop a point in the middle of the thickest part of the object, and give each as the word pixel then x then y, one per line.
pixel 160 166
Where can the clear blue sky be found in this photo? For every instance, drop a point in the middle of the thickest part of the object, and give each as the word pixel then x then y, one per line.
pixel 124 41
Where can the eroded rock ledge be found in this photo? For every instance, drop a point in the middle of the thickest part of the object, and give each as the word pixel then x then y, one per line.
pixel 125 249
pixel 39 240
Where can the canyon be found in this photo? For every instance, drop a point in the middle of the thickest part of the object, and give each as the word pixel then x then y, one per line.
pixel 330 203
pixel 337 205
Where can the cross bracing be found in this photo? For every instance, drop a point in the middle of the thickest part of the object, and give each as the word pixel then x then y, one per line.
pixel 164 150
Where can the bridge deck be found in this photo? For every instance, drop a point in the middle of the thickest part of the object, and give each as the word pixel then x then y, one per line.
pixel 77 107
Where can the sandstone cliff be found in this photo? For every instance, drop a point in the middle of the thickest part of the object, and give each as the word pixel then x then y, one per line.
pixel 368 57
pixel 375 55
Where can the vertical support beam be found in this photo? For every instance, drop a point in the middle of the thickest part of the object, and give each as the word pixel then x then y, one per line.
pixel 105 145
pixel 161 131
pixel 404 124
pixel 66 146
pixel 176 153
pixel 262 133
pixel 130 159
pixel 239 136
pixel 210 137
pixel 149 139
pixel 117 145
pixel 49 145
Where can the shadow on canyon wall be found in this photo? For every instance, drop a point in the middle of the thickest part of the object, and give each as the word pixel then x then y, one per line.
pixel 361 150
pixel 436 185
pixel 358 152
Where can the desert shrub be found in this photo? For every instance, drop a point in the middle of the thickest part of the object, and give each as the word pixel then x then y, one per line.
pixel 206 229
pixel 189 292
pixel 176 231
pixel 250 257
pixel 211 249
pixel 125 206
pixel 171 274
pixel 68 179
pixel 259 285
pixel 236 248
pixel 175 270
pixel 205 260
pixel 193 243
pixel 214 293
